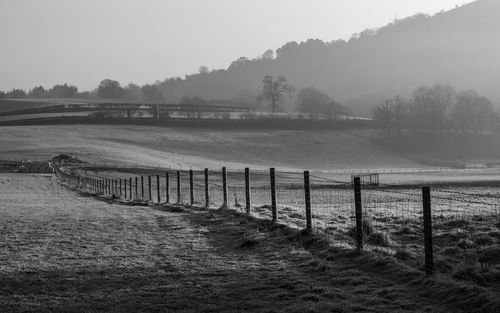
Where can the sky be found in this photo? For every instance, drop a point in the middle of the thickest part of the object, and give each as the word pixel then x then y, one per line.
pixel 82 42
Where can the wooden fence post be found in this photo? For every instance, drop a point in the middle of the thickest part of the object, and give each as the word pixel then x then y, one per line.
pixel 178 186
pixel 359 213
pixel 429 258
pixel 224 188
pixel 130 188
pixel 274 209
pixel 247 190
pixel 167 187
pixel 158 188
pixel 120 192
pixel 191 187
pixel 149 189
pixel 142 188
pixel 307 194
pixel 136 183
pixel 207 194
pixel 125 188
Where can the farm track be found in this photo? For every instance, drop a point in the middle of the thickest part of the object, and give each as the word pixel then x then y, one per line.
pixel 62 251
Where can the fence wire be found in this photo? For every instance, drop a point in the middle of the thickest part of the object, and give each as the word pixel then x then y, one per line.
pixel 465 221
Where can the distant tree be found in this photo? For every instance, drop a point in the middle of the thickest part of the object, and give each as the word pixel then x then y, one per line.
pixel 63 91
pixel 239 62
pixel 471 112
pixel 16 93
pixel 196 101
pixel 3 95
pixel 133 92
pixel 392 114
pixel 109 89
pixel 275 91
pixel 312 102
pixel 38 92
pixel 287 49
pixel 429 106
pixel 334 109
pixel 268 55
pixel 203 69
pixel 152 93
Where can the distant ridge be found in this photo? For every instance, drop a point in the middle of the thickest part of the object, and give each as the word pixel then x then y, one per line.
pixel 459 47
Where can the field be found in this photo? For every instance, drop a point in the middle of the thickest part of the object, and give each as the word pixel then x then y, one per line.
pixel 65 251
pixel 466 213
pixel 198 148
pixel 75 250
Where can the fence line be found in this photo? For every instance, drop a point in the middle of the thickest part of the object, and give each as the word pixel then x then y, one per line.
pixel 363 213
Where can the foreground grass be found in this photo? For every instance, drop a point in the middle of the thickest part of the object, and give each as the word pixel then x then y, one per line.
pixel 62 252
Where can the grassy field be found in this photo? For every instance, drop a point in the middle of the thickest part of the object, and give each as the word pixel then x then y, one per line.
pixel 466 213
pixel 198 148
pixel 67 251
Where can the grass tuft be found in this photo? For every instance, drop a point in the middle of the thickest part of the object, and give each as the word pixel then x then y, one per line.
pixel 379 239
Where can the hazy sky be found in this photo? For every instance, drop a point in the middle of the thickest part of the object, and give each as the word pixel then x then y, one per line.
pixel 84 41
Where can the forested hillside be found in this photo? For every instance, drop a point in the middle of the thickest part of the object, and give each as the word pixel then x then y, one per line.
pixel 458 47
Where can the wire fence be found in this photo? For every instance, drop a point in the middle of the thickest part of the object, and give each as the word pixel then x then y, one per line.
pixel 460 228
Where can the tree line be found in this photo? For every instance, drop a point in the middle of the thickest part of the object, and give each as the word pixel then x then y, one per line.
pixel 310 101
pixel 276 91
pixel 437 108
pixel 107 89
pixel 57 91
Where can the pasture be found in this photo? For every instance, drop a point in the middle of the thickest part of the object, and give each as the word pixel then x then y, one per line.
pixel 67 251
pixel 199 148
pixel 78 250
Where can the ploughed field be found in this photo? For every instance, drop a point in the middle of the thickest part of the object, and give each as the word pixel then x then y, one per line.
pixel 64 250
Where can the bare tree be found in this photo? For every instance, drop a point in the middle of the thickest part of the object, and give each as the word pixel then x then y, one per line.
pixel 392 114
pixel 429 106
pixel 471 112
pixel 275 91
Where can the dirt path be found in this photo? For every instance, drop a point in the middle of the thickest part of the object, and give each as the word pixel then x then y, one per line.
pixel 61 251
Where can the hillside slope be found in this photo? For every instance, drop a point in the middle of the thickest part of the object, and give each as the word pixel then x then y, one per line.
pixel 200 148
pixel 457 47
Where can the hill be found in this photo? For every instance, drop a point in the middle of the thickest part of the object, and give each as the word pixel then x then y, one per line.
pixel 457 47
pixel 286 149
